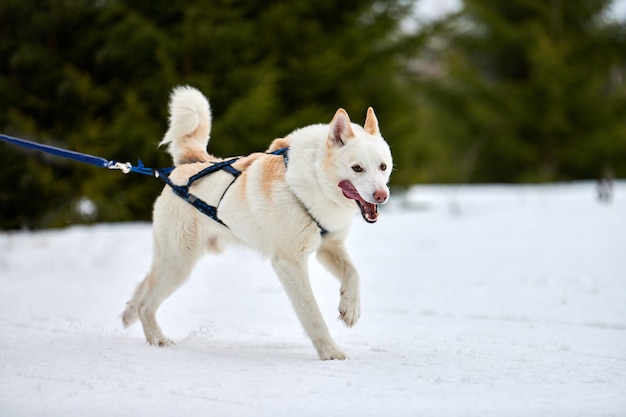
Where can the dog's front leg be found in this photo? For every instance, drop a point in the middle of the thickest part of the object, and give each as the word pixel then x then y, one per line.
pixel 334 256
pixel 294 277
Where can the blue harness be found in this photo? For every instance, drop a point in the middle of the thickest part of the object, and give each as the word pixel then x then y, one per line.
pixel 183 190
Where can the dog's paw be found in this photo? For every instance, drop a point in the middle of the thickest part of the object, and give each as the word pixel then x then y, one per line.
pixel 328 350
pixel 160 341
pixel 349 308
pixel 129 316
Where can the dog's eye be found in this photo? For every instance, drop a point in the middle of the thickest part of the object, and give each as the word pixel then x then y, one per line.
pixel 357 168
pixel 383 166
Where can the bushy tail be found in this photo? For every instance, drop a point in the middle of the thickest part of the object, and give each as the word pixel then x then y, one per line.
pixel 190 126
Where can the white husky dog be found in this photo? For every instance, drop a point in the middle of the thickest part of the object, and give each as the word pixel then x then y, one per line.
pixel 287 206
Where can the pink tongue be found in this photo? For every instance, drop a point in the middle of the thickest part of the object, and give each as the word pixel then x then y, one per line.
pixel 349 191
pixel 368 210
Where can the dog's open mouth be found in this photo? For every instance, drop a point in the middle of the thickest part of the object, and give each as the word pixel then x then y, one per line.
pixel 369 211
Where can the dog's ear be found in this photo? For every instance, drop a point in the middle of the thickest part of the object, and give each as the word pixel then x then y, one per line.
pixel 340 129
pixel 371 123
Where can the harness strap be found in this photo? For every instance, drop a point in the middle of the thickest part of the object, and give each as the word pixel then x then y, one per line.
pixel 218 166
pixel 285 153
pixel 183 190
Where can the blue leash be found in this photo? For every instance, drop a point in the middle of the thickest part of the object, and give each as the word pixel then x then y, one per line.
pixel 85 158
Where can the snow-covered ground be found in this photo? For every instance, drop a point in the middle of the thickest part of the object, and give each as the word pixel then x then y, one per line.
pixel 476 301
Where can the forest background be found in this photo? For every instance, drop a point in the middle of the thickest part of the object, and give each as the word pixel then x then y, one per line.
pixel 515 91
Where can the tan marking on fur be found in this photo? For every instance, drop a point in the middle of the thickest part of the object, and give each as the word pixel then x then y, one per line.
pixel 150 280
pixel 371 123
pixel 272 171
pixel 327 163
pixel 190 156
pixel 203 130
pixel 213 245
pixel 182 173
pixel 242 182
pixel 244 162
pixel 278 144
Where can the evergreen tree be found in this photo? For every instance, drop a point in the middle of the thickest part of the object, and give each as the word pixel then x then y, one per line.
pixel 529 91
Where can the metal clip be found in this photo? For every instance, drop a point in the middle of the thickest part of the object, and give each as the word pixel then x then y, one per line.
pixel 124 167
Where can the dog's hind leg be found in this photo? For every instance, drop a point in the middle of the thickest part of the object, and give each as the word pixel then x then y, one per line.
pixel 334 257
pixel 294 277
pixel 166 276
pixel 172 264
pixel 130 315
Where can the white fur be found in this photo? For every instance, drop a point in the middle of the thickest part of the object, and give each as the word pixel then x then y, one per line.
pixel 264 209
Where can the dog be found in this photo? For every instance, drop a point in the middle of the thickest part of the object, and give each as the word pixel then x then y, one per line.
pixel 285 205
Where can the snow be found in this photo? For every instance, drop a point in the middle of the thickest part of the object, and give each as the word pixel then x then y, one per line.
pixel 476 301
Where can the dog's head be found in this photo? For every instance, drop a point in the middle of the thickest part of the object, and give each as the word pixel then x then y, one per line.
pixel 361 160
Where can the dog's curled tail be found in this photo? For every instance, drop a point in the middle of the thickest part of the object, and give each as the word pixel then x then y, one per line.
pixel 189 127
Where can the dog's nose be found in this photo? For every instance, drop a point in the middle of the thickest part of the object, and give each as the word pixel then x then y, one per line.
pixel 380 196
